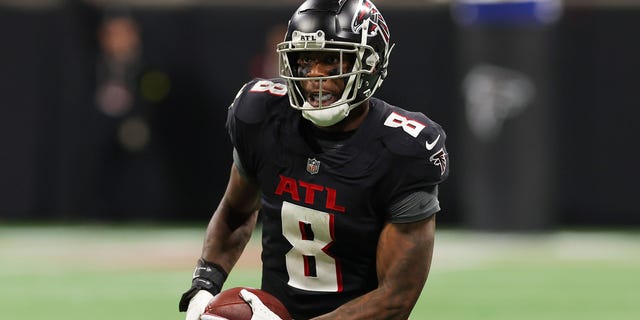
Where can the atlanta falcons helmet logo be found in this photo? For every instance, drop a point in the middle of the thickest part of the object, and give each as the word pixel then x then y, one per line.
pixel 377 24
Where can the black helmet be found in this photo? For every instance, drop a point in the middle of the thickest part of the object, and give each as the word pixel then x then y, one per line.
pixel 353 27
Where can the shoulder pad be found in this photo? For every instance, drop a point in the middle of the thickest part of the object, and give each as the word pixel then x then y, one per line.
pixel 419 144
pixel 411 133
pixel 252 103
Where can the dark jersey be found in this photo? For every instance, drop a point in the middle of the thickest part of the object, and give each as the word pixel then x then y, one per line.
pixel 322 212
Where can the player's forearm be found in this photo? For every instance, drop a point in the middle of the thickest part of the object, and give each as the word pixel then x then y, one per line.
pixel 232 223
pixel 389 301
pixel 377 304
pixel 404 259
pixel 227 237
pixel 393 299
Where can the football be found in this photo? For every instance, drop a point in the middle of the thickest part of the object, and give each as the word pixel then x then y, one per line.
pixel 229 305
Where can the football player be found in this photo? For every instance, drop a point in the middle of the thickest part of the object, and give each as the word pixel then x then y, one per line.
pixel 346 184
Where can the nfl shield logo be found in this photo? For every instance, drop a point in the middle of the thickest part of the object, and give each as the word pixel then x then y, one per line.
pixel 313 165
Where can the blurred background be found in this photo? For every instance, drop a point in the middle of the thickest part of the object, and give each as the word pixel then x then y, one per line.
pixel 114 152
pixel 114 111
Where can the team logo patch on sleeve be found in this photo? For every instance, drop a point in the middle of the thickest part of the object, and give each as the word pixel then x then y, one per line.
pixel 313 165
pixel 439 159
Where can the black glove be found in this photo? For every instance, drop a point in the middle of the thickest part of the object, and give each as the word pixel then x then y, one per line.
pixel 207 276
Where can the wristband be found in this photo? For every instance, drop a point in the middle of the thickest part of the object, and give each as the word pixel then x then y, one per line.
pixel 207 276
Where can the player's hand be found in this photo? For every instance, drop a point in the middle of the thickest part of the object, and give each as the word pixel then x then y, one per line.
pixel 197 304
pixel 260 311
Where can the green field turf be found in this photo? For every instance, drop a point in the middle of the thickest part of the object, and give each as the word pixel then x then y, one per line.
pixel 122 273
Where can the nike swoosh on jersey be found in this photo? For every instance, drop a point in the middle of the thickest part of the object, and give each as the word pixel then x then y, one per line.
pixel 432 144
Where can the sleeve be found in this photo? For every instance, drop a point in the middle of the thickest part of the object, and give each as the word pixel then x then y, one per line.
pixel 416 206
pixel 240 132
pixel 240 166
pixel 245 119
pixel 419 164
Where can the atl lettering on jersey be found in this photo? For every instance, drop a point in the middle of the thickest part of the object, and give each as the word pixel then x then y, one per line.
pixel 294 188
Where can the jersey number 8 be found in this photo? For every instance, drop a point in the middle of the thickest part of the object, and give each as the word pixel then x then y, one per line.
pixel 310 232
pixel 276 89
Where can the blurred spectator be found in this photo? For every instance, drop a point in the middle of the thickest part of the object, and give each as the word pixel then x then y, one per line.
pixel 118 64
pixel 132 176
